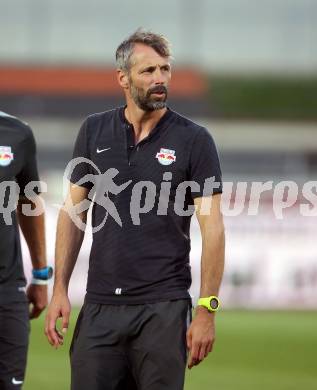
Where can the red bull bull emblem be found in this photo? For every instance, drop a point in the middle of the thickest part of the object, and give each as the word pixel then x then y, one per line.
pixel 166 156
pixel 5 156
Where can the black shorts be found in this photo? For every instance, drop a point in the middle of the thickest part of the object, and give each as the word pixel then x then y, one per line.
pixel 130 347
pixel 14 339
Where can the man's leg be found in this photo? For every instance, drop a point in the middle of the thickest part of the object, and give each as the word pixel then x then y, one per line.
pixel 98 361
pixel 159 354
pixel 14 337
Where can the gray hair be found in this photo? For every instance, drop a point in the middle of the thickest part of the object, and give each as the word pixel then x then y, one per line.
pixel 124 51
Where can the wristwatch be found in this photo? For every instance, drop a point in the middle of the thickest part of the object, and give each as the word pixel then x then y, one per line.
pixel 42 275
pixel 211 303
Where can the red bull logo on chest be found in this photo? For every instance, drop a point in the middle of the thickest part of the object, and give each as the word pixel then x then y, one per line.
pixel 166 156
pixel 6 156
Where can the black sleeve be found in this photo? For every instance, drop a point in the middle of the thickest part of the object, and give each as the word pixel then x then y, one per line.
pixel 79 170
pixel 29 171
pixel 204 164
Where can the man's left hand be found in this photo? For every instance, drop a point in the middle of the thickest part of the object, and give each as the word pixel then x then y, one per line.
pixel 200 336
pixel 37 296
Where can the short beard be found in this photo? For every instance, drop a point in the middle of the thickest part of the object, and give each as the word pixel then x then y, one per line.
pixel 144 100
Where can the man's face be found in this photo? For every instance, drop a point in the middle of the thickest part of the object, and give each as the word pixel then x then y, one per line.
pixel 149 76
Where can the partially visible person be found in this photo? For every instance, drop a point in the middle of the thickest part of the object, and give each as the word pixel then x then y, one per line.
pixel 18 303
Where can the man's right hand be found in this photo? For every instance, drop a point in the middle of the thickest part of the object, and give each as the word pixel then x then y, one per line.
pixel 58 308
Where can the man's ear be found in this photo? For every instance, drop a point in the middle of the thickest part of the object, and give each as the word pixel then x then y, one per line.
pixel 123 79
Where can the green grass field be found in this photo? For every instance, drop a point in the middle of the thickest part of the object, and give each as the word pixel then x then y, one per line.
pixel 253 351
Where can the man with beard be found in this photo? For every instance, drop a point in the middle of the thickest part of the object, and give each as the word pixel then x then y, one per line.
pixel 18 167
pixel 134 329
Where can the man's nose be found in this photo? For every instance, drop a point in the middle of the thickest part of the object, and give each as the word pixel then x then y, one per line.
pixel 159 77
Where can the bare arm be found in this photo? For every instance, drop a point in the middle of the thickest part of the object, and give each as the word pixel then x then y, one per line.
pixel 201 333
pixel 66 250
pixel 33 229
pixel 213 248
pixel 69 238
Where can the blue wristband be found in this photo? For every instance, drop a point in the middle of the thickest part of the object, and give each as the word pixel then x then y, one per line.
pixel 43 273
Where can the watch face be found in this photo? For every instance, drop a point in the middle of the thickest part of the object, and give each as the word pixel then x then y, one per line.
pixel 214 303
pixel 49 272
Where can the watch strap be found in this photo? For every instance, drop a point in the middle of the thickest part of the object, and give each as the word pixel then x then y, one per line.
pixel 43 273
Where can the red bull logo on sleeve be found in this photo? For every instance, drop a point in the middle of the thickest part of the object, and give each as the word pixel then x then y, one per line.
pixel 6 156
pixel 166 156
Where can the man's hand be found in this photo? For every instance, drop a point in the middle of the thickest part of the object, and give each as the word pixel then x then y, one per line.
pixel 200 336
pixel 58 308
pixel 37 296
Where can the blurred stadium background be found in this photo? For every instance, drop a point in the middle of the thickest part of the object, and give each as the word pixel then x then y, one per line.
pixel 248 72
